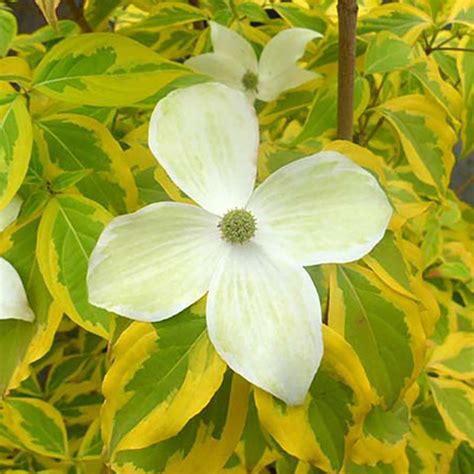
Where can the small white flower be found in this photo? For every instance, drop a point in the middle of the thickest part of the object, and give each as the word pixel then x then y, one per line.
pixel 13 301
pixel 246 248
pixel 235 63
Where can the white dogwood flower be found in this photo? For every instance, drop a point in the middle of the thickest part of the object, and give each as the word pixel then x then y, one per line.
pixel 235 63
pixel 245 248
pixel 13 301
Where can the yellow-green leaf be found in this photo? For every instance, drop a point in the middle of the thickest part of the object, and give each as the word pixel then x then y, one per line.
pixel 15 69
pixel 402 19
pixel 163 374
pixel 387 52
pixel 38 425
pixel 22 343
pixel 455 357
pixel 97 12
pixel 165 15
pixel 388 262
pixel 91 445
pixel 426 137
pixel 204 445
pixel 455 402
pixel 8 27
pixel 323 429
pixel 382 326
pixel 69 229
pixel 299 17
pixel 253 453
pixel 104 69
pixel 48 9
pixel 427 72
pixel 76 143
pixel 466 74
pixel 16 139
pixel 462 12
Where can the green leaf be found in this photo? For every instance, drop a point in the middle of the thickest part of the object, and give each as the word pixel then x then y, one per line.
pixel 384 435
pixel 383 327
pixel 206 442
pixel 299 17
pixel 34 202
pixel 91 445
pixel 322 430
pixel 67 367
pixel 103 69
pixel 16 139
pixel 253 452
pixel 144 166
pixel 321 117
pixel 162 375
pixel 379 468
pixel 69 229
pixel 8 27
pixel 68 179
pixel 463 460
pixel 38 425
pixel 253 12
pixel 387 52
pixel 165 15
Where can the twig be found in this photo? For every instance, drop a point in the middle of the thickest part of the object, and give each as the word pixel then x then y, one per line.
pixel 347 14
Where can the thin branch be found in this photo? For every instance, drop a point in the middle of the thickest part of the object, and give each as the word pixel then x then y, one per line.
pixel 463 186
pixel 466 50
pixel 373 131
pixel 442 43
pixel 347 14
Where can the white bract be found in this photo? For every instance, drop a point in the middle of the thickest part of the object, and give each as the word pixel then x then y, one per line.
pixel 245 248
pixel 10 213
pixel 235 63
pixel 13 301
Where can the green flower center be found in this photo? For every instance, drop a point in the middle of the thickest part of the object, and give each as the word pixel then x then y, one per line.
pixel 238 226
pixel 250 81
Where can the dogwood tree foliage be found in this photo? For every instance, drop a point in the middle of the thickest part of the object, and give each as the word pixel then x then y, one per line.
pixel 325 323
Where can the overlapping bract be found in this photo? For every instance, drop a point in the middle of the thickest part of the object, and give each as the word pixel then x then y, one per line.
pixel 263 312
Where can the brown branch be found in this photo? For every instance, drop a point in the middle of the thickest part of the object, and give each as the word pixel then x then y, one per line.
pixel 199 24
pixel 347 14
pixel 79 17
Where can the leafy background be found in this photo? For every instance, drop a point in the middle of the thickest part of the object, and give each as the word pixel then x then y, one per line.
pixel 83 391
